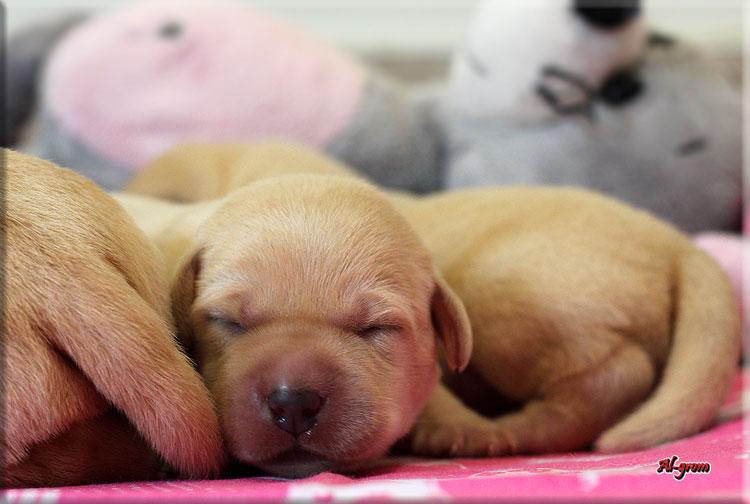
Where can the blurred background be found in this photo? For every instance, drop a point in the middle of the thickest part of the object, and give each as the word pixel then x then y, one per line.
pixel 634 107
pixel 413 39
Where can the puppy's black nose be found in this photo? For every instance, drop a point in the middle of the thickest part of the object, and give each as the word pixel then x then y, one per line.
pixel 295 411
pixel 607 14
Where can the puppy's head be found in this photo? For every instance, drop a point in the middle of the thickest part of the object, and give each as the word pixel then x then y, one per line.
pixel 313 312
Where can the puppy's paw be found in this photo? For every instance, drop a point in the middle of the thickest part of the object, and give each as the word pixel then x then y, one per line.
pixel 460 440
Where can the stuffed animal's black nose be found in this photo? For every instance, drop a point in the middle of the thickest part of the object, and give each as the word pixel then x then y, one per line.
pixel 607 14
pixel 295 411
pixel 171 30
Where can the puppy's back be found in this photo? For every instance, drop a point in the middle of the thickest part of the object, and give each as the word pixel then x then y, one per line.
pixel 582 262
pixel 202 171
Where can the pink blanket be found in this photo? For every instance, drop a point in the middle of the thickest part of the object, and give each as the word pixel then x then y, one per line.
pixel 708 466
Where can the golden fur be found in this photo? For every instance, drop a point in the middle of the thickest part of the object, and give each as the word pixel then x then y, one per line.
pixel 310 283
pixel 597 322
pixel 87 332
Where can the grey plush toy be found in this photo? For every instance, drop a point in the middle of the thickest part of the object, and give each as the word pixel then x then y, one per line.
pixel 594 101
pixel 25 55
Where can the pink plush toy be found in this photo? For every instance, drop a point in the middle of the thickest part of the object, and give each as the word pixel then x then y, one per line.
pixel 186 63
pixel 125 86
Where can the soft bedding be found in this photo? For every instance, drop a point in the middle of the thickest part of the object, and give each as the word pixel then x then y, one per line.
pixel 577 477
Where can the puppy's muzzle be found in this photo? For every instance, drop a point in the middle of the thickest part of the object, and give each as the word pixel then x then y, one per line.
pixel 295 410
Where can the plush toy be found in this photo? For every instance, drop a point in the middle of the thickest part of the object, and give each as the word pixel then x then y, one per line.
pixel 554 92
pixel 727 249
pixel 731 251
pixel 126 86
pixel 559 92
pixel 25 58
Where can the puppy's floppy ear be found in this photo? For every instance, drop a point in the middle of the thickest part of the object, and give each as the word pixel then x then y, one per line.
pixel 451 325
pixel 183 296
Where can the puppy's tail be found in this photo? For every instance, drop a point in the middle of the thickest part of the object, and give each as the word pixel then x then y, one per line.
pixel 701 364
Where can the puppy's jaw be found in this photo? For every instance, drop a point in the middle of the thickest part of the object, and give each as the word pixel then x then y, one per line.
pixel 296 463
pixel 368 406
pixel 358 422
pixel 367 409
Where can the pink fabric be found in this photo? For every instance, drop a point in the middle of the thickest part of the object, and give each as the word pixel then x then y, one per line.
pixel 578 476
pixel 727 250
pixel 232 74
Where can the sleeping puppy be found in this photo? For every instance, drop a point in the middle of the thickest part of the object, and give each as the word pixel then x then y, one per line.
pixel 594 323
pixel 88 347
pixel 312 311
pixel 606 324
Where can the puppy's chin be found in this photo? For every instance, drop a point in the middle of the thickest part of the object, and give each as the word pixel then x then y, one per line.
pixel 309 455
pixel 299 463
pixel 296 463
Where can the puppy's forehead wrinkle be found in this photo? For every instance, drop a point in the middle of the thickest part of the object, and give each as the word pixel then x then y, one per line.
pixel 316 232
pixel 376 304
pixel 337 213
pixel 299 260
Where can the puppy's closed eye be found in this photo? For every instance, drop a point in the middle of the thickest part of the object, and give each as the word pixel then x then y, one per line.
pixel 375 330
pixel 376 314
pixel 226 323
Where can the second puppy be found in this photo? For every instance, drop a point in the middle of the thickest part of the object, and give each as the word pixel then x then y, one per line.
pixel 313 312
pixel 599 322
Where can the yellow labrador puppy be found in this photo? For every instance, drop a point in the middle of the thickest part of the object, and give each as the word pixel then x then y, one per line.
pixel 594 323
pixel 313 311
pixel 88 339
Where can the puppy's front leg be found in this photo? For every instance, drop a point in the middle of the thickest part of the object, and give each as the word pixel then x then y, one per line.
pixel 571 411
pixel 447 427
